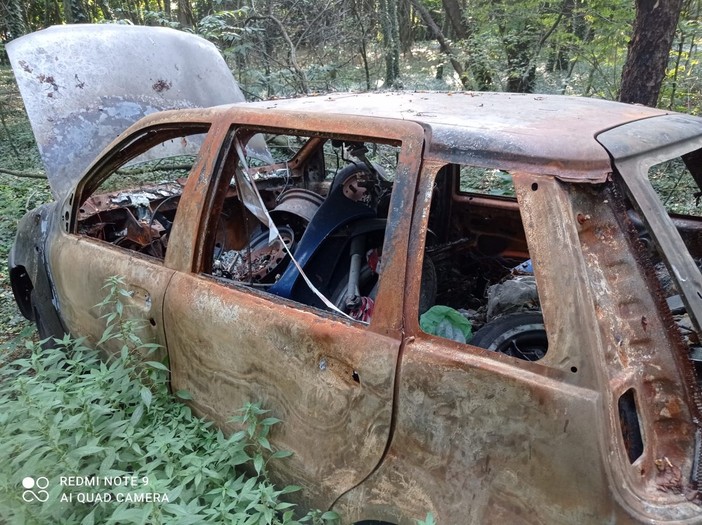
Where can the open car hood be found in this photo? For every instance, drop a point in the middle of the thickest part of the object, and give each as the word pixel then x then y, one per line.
pixel 83 85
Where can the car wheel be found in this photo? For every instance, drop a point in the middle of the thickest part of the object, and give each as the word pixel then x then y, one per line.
pixel 520 335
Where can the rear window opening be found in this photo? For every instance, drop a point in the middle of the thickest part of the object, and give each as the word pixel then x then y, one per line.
pixel 134 204
pixel 478 285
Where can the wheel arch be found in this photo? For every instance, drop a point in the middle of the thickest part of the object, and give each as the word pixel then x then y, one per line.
pixel 22 288
pixel 29 274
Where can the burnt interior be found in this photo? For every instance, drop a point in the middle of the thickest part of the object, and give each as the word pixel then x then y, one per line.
pixel 329 200
pixel 139 219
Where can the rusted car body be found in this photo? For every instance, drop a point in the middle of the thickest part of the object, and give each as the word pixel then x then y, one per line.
pixel 260 277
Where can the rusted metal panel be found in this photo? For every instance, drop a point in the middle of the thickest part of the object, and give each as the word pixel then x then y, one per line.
pixel 537 133
pixel 654 138
pixel 194 208
pixel 559 268
pixel 641 349
pixel 477 440
pixel 330 381
pixel 634 173
pixel 632 344
pixel 82 267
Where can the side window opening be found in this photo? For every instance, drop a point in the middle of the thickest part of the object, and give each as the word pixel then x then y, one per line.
pixel 134 204
pixel 681 195
pixel 328 198
pixel 676 188
pixel 485 181
pixel 478 285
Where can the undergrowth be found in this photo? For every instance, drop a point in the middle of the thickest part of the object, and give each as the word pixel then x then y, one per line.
pixel 18 153
pixel 127 450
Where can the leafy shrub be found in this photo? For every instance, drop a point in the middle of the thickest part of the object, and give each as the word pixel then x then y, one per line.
pixel 66 412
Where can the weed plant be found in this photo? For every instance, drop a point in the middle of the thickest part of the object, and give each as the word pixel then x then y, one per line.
pixel 67 411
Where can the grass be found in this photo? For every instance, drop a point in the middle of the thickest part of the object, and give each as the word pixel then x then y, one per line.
pixel 100 420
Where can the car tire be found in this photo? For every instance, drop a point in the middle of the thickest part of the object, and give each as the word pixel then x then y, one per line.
pixel 521 335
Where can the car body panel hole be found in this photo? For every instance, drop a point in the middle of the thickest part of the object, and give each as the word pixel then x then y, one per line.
pixel 631 428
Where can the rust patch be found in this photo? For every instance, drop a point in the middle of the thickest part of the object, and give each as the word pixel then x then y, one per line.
pixel 48 79
pixel 669 477
pixel 161 85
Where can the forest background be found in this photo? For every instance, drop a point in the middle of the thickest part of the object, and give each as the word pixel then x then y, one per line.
pixel 641 51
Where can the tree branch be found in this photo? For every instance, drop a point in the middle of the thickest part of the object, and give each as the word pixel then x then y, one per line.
pixel 293 55
pixel 23 174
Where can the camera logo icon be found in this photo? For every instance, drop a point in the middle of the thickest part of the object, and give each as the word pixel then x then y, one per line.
pixel 35 489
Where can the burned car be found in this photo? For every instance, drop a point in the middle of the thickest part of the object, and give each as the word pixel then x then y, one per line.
pixel 469 304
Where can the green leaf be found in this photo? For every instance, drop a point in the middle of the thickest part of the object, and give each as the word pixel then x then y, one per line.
pixel 88 450
pixel 258 463
pixel 263 441
pixel 89 519
pixel 146 396
pixel 137 414
pixel 156 365
pixel 184 394
pixel 279 454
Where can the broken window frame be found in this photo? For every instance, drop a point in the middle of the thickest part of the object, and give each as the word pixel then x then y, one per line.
pixel 554 358
pixel 224 173
pixel 632 175
pixel 122 154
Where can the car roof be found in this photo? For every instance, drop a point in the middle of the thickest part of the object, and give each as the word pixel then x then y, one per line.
pixel 543 134
pixel 538 133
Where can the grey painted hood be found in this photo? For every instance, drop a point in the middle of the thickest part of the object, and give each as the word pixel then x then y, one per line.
pixel 85 84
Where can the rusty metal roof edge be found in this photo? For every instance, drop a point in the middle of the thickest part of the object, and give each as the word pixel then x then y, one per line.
pixel 565 156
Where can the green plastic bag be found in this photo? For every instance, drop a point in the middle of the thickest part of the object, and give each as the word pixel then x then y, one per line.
pixel 444 321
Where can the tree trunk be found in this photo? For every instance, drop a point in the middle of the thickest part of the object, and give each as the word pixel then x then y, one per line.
pixel 363 47
pixel 521 73
pixel 391 40
pixel 454 16
pixel 67 14
pixel 443 43
pixel 404 16
pixel 649 49
pixel 185 13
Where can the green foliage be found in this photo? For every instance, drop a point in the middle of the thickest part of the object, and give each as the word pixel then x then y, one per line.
pixel 676 188
pixel 569 46
pixel 100 419
pixel 18 152
pixel 486 181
